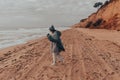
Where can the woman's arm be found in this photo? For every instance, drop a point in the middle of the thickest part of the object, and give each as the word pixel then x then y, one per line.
pixel 51 38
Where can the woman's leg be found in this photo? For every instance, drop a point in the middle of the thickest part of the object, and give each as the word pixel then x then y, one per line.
pixel 60 58
pixel 54 58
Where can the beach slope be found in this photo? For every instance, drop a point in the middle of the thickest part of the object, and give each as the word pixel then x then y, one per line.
pixel 88 56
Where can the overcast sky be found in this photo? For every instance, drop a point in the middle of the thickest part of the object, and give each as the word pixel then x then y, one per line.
pixel 42 13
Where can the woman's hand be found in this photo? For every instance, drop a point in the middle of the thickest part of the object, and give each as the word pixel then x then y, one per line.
pixel 48 34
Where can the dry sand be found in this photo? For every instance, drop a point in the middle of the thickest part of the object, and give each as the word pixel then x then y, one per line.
pixel 103 34
pixel 90 55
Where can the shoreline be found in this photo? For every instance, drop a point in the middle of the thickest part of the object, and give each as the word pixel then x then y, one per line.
pixel 89 32
pixel 24 37
pixel 11 48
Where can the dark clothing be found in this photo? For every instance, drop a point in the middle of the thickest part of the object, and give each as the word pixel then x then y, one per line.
pixel 56 43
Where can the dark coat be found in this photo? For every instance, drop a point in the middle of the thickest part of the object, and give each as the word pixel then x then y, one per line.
pixel 56 41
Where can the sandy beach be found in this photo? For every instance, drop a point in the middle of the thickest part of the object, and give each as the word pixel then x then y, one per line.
pixel 92 45
pixel 89 55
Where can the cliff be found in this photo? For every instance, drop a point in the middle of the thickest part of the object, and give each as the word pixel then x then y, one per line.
pixel 107 17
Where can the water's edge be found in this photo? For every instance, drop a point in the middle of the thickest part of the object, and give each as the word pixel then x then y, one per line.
pixel 21 36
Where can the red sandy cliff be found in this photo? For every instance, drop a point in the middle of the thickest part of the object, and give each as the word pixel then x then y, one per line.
pixel 107 17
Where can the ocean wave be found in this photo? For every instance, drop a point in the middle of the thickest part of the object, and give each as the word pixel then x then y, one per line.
pixel 22 35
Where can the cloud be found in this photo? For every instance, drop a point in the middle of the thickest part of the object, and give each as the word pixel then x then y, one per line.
pixel 32 0
pixel 44 12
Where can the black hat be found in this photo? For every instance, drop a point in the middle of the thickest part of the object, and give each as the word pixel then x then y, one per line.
pixel 52 28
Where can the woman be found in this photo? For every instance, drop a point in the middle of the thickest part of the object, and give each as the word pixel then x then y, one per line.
pixel 56 44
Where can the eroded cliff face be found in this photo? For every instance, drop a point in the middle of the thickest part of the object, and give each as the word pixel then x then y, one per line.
pixel 107 17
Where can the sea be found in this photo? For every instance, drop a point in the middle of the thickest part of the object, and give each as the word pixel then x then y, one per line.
pixel 20 36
